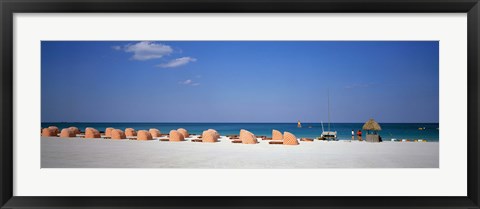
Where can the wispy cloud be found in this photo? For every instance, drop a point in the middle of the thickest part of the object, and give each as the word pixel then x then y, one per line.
pixel 146 50
pixel 358 85
pixel 177 62
pixel 189 82
pixel 186 82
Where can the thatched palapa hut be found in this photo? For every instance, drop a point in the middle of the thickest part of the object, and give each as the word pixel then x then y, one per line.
pixel 372 128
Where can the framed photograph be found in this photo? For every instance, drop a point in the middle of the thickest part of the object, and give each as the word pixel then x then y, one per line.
pixel 240 104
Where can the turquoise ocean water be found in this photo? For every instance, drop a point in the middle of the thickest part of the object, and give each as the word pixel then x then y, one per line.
pixel 309 130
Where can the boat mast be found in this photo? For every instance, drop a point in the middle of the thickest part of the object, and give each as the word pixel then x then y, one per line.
pixel 328 94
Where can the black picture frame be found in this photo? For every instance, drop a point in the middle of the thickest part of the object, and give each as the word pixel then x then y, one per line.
pixel 10 7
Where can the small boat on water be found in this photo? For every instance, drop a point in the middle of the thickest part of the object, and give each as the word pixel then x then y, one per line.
pixel 299 125
pixel 422 128
pixel 328 135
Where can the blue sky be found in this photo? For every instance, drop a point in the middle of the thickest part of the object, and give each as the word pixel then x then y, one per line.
pixel 239 81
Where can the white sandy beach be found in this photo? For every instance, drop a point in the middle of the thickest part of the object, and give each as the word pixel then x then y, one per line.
pixel 105 153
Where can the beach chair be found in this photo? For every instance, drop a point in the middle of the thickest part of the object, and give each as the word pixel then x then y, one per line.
pixel 67 133
pixel 144 135
pixel 75 130
pixel 176 136
pixel 184 132
pixel 47 132
pixel 108 131
pixel 246 137
pixel 277 137
pixel 288 139
pixel 130 132
pixel 117 134
pixel 215 132
pixel 55 129
pixel 155 132
pixel 92 133
pixel 210 136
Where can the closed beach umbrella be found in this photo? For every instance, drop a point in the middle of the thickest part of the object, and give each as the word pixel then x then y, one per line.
pixel 54 129
pixel 289 139
pixel 184 132
pixel 118 134
pixel 130 132
pixel 247 137
pixel 92 133
pixel 108 131
pixel 176 136
pixel 276 135
pixel 144 135
pixel 75 130
pixel 47 132
pixel 154 132
pixel 67 132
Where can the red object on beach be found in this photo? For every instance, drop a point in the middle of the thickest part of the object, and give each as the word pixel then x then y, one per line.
pixel 92 133
pixel 47 132
pixel 66 133
pixel 130 132
pixel 209 136
pixel 118 134
pixel 54 129
pixel 184 132
pixel 289 139
pixel 108 131
pixel 75 130
pixel 277 135
pixel 155 132
pixel 247 137
pixel 144 135
pixel 176 136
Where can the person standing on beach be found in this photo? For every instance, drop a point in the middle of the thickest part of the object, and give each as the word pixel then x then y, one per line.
pixel 359 133
pixel 353 135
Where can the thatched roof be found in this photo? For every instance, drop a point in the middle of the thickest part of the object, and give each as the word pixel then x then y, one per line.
pixel 371 125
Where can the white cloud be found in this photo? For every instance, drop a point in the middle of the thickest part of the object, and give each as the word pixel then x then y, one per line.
pixel 177 62
pixel 188 82
pixel 117 48
pixel 146 50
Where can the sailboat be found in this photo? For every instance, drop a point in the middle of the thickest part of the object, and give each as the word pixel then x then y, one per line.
pixel 328 135
pixel 299 125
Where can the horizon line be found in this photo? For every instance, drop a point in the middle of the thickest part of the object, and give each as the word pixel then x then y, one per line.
pixel 231 122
